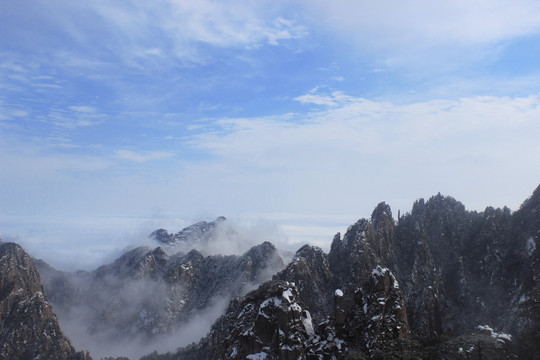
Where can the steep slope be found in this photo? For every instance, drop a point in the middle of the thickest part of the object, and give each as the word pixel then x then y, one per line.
pixel 266 322
pixel 28 327
pixel 310 271
pixel 426 285
pixel 479 263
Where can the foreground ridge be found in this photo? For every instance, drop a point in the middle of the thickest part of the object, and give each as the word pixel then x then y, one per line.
pixel 439 282
pixel 29 329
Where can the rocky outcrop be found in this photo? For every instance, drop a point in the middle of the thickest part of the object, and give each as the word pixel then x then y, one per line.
pixel 310 271
pixel 483 343
pixel 469 268
pixel 379 315
pixel 28 327
pixel 417 287
pixel 268 323
pixel 198 233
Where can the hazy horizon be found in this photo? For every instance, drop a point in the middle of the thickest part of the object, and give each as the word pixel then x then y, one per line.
pixel 87 243
pixel 119 118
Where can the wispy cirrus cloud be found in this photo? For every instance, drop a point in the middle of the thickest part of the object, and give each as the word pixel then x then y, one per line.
pixel 158 30
pixel 430 23
pixel 73 117
pixel 428 35
pixel 333 99
pixel 142 156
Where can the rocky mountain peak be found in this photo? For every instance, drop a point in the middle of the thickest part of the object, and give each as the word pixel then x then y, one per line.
pixel 29 329
pixel 533 202
pixel 199 232
pixel 162 236
pixel 382 214
pixel 262 251
pixel 310 271
pixel 380 310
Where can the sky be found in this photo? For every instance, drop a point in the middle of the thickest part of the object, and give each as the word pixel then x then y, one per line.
pixel 119 117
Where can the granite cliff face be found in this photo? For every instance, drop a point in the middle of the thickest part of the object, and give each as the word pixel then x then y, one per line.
pixel 438 282
pixel 28 327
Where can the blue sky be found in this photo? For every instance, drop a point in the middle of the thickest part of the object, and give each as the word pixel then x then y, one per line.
pixel 120 116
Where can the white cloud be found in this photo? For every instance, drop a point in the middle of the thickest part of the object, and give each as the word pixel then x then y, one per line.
pixel 341 159
pixel 382 151
pixel 139 33
pixel 393 22
pixel 12 66
pixel 83 109
pixel 143 156
pixel 11 114
pixel 421 33
pixel 221 23
pixel 73 117
pixel 175 28
pixel 335 98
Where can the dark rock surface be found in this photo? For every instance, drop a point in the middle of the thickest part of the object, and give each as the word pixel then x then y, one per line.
pixel 422 286
pixel 198 233
pixel 28 327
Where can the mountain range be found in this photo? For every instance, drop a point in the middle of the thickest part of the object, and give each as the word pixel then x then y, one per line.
pixel 439 282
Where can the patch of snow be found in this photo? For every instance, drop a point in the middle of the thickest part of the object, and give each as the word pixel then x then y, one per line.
pixel 263 314
pixel 295 307
pixel 308 324
pixel 258 356
pixel 287 295
pixel 379 271
pixel 246 309
pixel 338 292
pixel 338 343
pixel 484 328
pixel 531 246
pixel 270 301
pixel 501 337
